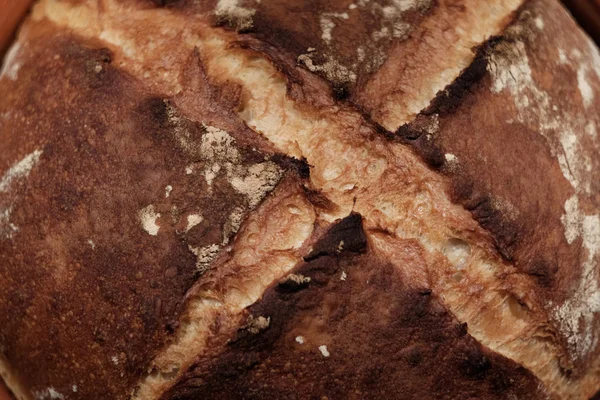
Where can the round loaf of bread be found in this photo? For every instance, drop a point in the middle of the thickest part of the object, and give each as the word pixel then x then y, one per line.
pixel 287 199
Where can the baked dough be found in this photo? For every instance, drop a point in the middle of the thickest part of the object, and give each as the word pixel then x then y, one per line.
pixel 286 199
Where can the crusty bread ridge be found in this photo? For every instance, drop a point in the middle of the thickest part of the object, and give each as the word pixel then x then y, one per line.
pixel 275 199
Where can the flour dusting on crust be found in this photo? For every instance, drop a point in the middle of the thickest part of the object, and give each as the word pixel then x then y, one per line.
pixel 18 171
pixel 11 66
pixel 510 70
pixel 370 55
pixel 148 217
pixel 237 16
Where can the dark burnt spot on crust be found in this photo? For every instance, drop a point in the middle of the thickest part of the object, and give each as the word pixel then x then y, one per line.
pixel 474 364
pixel 318 199
pixel 340 93
pixel 448 100
pixel 419 136
pixel 164 3
pixel 157 108
pixel 505 231
pixel 347 235
pixel 375 337
pixel 300 166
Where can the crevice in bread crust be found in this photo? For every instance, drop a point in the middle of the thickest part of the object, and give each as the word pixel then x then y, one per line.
pixel 263 252
pixel 444 50
pixel 385 182
pixel 306 140
pixel 503 63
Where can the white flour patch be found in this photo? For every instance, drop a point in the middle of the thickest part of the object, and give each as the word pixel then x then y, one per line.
pixel 11 66
pixel 370 55
pixel 595 53
pixel 233 224
pixel 258 181
pixel 332 68
pixel 49 393
pixel 7 228
pixel 218 146
pixel 590 129
pixel 239 17
pixel 571 219
pixel 510 70
pixel 19 170
pixel 450 157
pixel 219 152
pixel 168 190
pixel 210 173
pixel 327 24
pixel 587 93
pixel 300 339
pixel 204 256
pixel 562 56
pixel 324 351
pixel 193 220
pixel 148 217
pixel 577 313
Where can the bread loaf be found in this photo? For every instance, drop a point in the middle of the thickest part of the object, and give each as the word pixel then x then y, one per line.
pixel 344 199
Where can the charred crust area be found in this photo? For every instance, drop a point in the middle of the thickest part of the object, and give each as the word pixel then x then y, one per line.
pixel 449 100
pixel 165 3
pixel 299 166
pixel 504 231
pixel 413 350
pixel 347 235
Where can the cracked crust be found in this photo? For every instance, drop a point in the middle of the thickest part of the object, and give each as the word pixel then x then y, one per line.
pixel 113 254
pixel 544 219
pixel 289 199
pixel 315 330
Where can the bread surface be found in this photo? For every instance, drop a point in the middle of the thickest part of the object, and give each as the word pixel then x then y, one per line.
pixel 287 200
